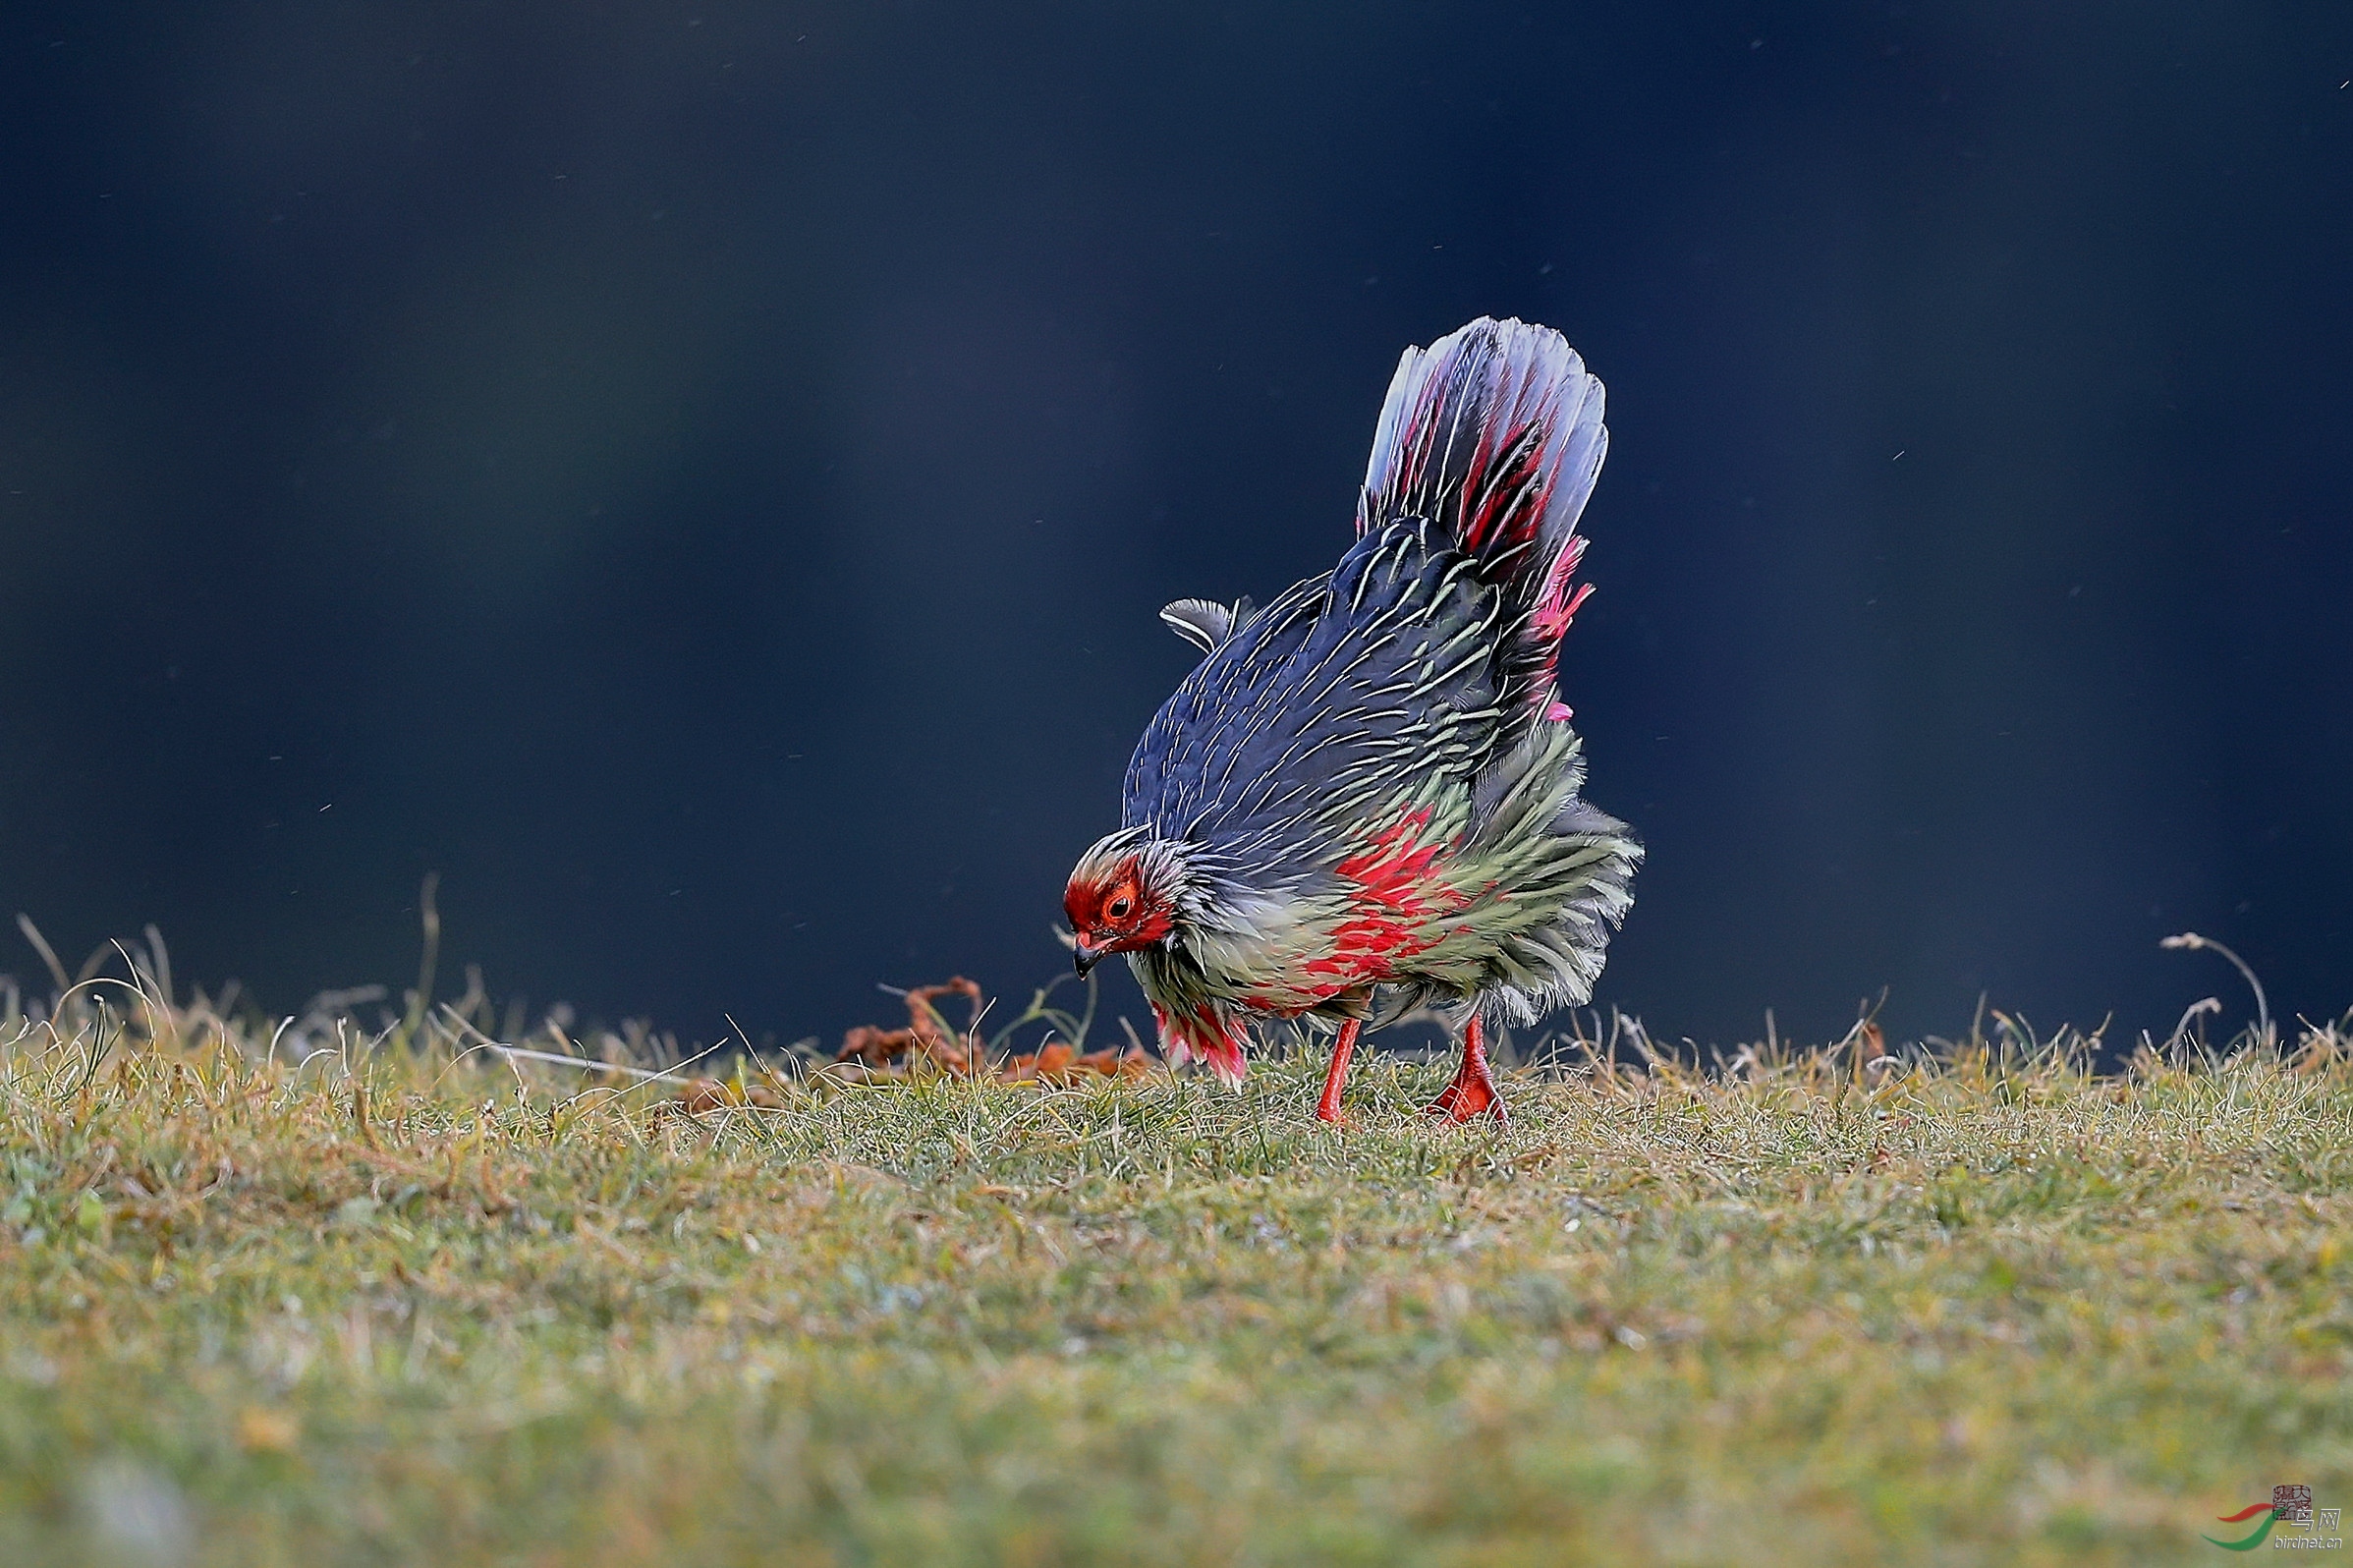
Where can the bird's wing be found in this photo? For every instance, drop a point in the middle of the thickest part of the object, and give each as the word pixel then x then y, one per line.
pixel 1317 711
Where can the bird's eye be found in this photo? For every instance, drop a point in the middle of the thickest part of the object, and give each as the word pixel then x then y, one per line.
pixel 1118 909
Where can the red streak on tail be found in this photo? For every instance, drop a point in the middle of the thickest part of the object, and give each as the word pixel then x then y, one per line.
pixel 1555 609
pixel 1510 498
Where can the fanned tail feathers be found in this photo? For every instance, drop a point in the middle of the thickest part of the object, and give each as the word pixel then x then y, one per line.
pixel 1495 433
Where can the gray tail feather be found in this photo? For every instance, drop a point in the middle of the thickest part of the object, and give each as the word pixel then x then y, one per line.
pixel 1495 433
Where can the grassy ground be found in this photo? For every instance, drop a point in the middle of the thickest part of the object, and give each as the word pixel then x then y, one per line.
pixel 382 1308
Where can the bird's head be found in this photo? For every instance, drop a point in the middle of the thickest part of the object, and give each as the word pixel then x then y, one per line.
pixel 1122 896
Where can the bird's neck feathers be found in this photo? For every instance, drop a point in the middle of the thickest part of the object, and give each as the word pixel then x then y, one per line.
pixel 1199 892
pixel 1207 903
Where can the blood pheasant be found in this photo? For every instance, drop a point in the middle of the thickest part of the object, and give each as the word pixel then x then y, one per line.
pixel 1364 797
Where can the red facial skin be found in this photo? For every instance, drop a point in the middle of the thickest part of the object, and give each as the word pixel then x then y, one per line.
pixel 1114 914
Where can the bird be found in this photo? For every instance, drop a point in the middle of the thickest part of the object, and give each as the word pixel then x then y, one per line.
pixel 1366 797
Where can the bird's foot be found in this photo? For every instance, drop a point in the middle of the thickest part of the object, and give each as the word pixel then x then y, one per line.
pixel 1468 1098
pixel 1472 1092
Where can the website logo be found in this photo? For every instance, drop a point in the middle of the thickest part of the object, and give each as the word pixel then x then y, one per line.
pixel 2288 1505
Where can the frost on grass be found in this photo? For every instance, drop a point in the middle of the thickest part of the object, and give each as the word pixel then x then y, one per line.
pixel 397 1298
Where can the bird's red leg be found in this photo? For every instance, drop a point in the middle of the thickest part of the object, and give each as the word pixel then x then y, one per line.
pixel 1474 1088
pixel 1327 1109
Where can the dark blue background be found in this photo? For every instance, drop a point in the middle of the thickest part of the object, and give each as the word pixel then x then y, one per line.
pixel 701 475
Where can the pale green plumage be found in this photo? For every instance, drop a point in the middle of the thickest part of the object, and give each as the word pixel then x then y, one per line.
pixel 1523 885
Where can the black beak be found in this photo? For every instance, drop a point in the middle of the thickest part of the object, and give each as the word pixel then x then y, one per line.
pixel 1083 958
